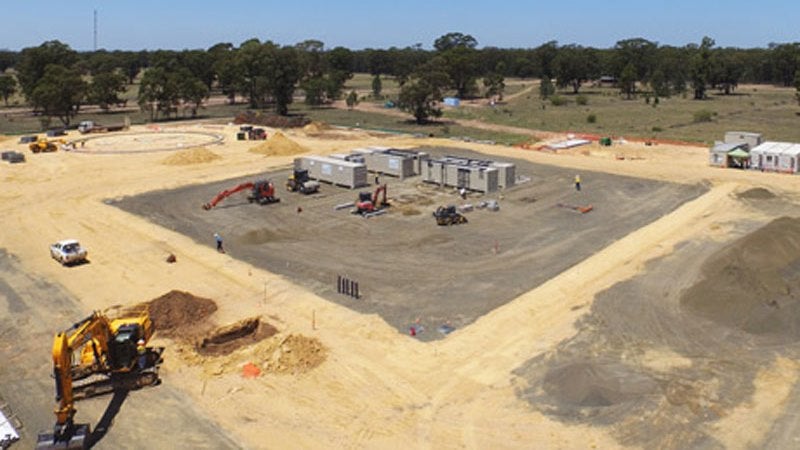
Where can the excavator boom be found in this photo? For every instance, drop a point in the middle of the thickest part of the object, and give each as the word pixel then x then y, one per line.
pixel 227 193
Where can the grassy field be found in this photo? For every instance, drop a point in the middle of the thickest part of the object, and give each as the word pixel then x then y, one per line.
pixel 380 122
pixel 770 110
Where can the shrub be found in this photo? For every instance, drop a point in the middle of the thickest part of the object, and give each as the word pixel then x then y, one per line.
pixel 702 116
pixel 591 118
pixel 582 100
pixel 557 100
pixel 657 129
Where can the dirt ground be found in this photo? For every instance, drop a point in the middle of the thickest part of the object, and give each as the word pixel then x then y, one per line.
pixel 410 271
pixel 663 335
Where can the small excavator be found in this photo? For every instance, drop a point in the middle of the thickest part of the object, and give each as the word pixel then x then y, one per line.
pixel 368 205
pixel 261 192
pixel 104 355
pixel 448 215
pixel 299 182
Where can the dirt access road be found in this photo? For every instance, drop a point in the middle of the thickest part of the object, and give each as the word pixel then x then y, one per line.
pixel 489 384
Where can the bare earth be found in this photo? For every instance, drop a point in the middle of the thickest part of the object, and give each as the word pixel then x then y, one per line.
pixel 624 341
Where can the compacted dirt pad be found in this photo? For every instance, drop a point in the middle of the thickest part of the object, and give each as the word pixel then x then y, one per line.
pixel 666 357
pixel 410 271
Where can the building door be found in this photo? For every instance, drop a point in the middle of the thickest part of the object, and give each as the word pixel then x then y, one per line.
pixel 463 178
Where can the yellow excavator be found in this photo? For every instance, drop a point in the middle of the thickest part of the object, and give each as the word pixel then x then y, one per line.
pixel 98 355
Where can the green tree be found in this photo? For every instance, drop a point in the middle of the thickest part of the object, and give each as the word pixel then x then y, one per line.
pixel 627 81
pixel 450 41
pixel 8 86
pixel 574 65
pixel 460 58
pixel 282 76
pixel 659 84
pixel 796 86
pixel 351 100
pixel 495 84
pixel 106 88
pixel 701 68
pixel 422 93
pixel 638 53
pixel 727 69
pixel 33 63
pixel 546 88
pixel 58 93
pixel 193 92
pixel 377 86
pixel 159 92
pixel 546 55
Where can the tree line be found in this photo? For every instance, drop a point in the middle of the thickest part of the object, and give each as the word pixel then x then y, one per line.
pixel 56 80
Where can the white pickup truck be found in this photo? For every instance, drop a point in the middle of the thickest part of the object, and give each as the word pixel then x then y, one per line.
pixel 68 251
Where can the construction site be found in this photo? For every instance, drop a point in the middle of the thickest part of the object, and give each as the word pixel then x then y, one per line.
pixel 342 288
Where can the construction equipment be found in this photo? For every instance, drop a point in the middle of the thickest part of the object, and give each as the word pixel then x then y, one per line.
pixel 88 126
pixel 448 215
pixel 261 192
pixel 44 145
pixel 368 204
pixel 299 182
pixel 104 355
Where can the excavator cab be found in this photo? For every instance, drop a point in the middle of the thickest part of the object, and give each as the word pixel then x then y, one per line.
pixel 122 349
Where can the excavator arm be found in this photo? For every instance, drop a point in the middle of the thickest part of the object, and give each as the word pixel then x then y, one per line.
pixel 226 193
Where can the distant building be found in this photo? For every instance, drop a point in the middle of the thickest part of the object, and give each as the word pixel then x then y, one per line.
pixel 776 157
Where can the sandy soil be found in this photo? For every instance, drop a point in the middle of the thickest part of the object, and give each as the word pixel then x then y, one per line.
pixel 604 354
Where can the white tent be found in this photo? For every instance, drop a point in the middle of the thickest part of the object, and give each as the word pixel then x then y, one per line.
pixel 776 157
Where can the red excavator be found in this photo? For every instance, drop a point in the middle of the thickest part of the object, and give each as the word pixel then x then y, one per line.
pixel 367 204
pixel 262 192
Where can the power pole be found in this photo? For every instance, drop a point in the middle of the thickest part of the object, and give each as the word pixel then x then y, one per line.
pixel 95 30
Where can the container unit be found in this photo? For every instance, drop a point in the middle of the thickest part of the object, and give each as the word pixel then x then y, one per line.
pixel 471 177
pixel 766 157
pixel 506 174
pixel 419 158
pixel 752 140
pixel 335 171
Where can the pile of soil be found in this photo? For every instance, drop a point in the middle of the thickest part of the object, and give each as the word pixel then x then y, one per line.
pixel 190 156
pixel 756 194
pixel 227 339
pixel 316 127
pixel 4 137
pixel 293 354
pixel 753 284
pixel 179 313
pixel 279 145
pixel 597 384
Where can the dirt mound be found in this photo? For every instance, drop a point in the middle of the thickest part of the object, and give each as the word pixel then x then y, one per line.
pixel 176 311
pixel 293 354
pixel 753 284
pixel 190 156
pixel 597 384
pixel 756 194
pixel 270 120
pixel 225 340
pixel 316 127
pixel 4 137
pixel 279 145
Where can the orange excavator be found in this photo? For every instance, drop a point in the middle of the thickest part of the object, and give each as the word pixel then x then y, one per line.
pixel 98 355
pixel 368 204
pixel 261 192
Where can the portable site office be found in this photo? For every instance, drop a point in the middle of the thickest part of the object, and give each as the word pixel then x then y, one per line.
pixel 776 157
pixel 335 171
pixel 390 161
pixel 475 178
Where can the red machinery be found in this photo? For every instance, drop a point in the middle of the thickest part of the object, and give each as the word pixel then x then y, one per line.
pixel 262 192
pixel 367 204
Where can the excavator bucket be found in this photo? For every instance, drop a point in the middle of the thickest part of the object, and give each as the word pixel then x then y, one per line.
pixel 78 438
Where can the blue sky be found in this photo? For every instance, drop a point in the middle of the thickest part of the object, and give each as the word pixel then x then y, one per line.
pixel 179 24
